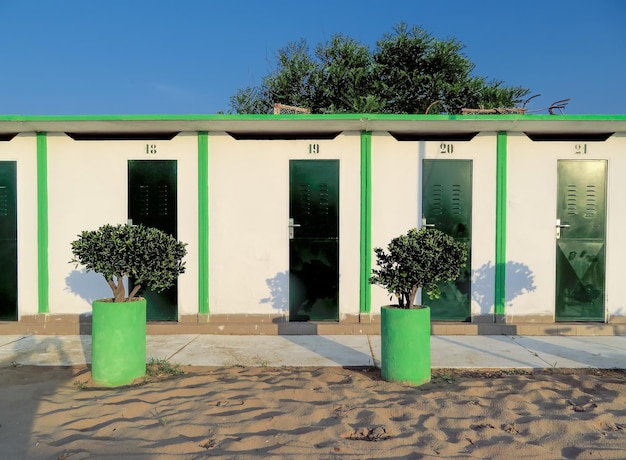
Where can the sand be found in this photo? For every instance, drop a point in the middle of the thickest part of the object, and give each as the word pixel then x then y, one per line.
pixel 261 412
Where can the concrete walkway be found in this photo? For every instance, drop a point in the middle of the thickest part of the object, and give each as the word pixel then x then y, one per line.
pixel 488 352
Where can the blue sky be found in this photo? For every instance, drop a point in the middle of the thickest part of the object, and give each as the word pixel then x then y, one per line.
pixel 77 57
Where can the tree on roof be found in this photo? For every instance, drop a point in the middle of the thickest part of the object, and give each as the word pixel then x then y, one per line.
pixel 409 71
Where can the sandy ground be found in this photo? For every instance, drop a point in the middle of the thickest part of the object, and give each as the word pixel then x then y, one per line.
pixel 261 412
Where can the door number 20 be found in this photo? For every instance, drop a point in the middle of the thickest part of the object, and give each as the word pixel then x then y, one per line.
pixel 446 148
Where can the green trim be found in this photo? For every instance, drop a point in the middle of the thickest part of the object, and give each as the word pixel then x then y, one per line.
pixel 340 116
pixel 501 176
pixel 203 222
pixel 42 222
pixel 365 300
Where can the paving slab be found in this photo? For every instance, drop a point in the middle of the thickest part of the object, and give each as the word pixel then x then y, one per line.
pixel 9 339
pixel 47 350
pixel 228 350
pixel 504 352
pixel 166 346
pixel 600 352
pixel 486 352
pixel 477 352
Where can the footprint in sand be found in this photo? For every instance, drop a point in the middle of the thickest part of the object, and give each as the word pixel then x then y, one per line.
pixel 369 434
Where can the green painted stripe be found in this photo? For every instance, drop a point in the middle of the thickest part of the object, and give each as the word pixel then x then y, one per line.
pixel 203 222
pixel 501 176
pixel 342 116
pixel 365 300
pixel 42 222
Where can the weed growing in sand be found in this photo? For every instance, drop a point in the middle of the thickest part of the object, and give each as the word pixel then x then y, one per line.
pixel 80 385
pixel 446 377
pixel 159 367
pixel 162 420
pixel 262 362
pixel 517 371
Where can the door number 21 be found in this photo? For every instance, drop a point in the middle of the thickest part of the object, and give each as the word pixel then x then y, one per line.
pixel 580 149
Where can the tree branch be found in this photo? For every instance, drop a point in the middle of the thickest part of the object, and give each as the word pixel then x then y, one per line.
pixel 134 291
pixel 118 289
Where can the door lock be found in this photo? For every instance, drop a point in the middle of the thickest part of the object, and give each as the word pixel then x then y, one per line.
pixel 559 226
pixel 292 225
pixel 424 224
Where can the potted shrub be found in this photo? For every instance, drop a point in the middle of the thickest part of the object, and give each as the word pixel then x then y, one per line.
pixel 420 259
pixel 145 256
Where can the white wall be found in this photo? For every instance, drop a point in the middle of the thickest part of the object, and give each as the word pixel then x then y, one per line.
pixel 615 150
pixel 531 220
pixel 248 218
pixel 23 150
pixel 249 205
pixel 396 206
pixel 531 214
pixel 88 187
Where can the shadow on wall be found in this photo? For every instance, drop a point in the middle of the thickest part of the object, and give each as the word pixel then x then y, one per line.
pixel 89 286
pixel 279 292
pixel 519 280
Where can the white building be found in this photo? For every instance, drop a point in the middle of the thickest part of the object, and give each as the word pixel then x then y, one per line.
pixel 281 214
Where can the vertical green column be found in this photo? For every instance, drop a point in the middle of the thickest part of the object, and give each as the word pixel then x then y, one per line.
pixel 500 275
pixel 42 222
pixel 366 222
pixel 203 222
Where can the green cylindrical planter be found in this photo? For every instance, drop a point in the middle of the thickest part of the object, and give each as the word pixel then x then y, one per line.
pixel 405 345
pixel 118 342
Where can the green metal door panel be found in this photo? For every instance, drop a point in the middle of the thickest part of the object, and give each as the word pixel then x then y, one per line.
pixel 314 240
pixel 152 194
pixel 152 201
pixel 580 244
pixel 582 198
pixel 447 206
pixel 8 241
pixel 447 196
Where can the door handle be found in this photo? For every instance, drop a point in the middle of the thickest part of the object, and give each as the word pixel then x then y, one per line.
pixel 559 226
pixel 292 225
pixel 424 224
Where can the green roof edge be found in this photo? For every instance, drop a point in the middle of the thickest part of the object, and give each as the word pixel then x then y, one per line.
pixel 352 116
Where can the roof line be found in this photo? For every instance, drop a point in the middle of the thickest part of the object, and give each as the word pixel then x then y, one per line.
pixel 342 116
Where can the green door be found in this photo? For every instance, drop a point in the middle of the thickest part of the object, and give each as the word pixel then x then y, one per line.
pixel 152 201
pixel 580 240
pixel 447 206
pixel 8 241
pixel 314 240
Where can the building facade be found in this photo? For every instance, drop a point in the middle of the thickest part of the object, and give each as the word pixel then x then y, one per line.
pixel 281 214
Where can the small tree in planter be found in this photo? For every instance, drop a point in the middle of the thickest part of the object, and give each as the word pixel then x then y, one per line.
pixel 148 257
pixel 420 259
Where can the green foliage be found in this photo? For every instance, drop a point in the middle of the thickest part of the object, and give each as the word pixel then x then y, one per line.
pixel 157 367
pixel 408 72
pixel 420 259
pixel 152 258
